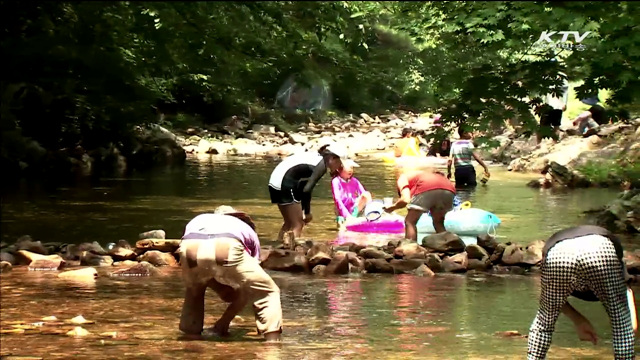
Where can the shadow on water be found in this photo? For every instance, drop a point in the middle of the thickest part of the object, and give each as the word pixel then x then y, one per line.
pixel 346 317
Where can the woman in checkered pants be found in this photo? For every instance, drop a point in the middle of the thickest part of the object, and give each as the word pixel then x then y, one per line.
pixel 585 262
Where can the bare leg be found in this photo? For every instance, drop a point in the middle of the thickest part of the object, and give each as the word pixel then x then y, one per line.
pixel 410 224
pixel 363 200
pixel 286 226
pixel 437 216
pixel 221 326
pixel 192 318
pixel 292 214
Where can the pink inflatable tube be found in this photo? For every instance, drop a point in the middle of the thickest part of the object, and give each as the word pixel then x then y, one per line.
pixel 393 224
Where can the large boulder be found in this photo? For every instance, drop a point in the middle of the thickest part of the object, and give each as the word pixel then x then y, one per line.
pixel 445 242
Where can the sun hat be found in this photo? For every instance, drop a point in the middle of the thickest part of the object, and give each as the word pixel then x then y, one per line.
pixel 350 163
pixel 337 150
pixel 228 210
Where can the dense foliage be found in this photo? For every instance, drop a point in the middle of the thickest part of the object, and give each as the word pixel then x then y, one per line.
pixel 85 72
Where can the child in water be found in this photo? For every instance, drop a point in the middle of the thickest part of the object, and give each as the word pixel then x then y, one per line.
pixel 349 195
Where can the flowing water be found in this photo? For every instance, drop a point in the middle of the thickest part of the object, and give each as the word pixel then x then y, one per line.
pixel 342 317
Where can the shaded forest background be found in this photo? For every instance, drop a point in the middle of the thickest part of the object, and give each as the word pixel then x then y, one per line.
pixel 85 73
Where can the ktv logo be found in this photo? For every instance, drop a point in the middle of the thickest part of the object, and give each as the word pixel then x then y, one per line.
pixel 546 40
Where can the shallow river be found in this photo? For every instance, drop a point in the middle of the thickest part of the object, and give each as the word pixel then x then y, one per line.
pixel 346 317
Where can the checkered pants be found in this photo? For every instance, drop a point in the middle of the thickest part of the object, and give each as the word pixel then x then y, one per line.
pixel 579 264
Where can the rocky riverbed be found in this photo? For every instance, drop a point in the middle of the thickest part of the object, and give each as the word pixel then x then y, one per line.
pixel 441 253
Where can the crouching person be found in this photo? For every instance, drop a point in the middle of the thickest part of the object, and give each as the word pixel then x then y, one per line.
pixel 221 251
pixel 584 262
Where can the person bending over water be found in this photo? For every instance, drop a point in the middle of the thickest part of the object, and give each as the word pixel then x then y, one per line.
pixel 349 196
pixel 585 262
pixel 422 191
pixel 221 251
pixel 293 180
pixel 462 153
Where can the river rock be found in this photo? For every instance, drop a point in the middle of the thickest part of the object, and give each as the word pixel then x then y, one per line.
pixel 487 242
pixel 125 263
pixel 446 242
pixel 141 269
pixel 475 251
pixel 120 254
pixel 286 260
pixel 27 244
pixel 90 259
pixel 24 257
pixel 434 262
pixel 158 258
pixel 513 255
pixel 374 253
pixel 497 253
pixel 5 266
pixel 122 243
pixel 47 265
pixel 378 266
pixel 319 254
pixel 533 253
pixel 319 270
pixel 479 265
pixel 88 273
pixel 455 263
pixel 632 262
pixel 7 257
pixel 410 251
pixel 339 265
pixel 423 270
pixel 159 244
pixel 356 263
pixel 53 247
pixel 94 248
pixel 511 270
pixel 402 266
pixel 356 248
pixel 152 234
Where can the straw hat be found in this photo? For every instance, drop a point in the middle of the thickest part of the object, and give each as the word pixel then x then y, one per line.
pixel 228 210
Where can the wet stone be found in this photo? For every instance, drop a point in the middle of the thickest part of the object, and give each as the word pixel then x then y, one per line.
pixel 141 269
pixel 7 257
pixel 91 259
pixel 434 262
pixel 46 265
pixel 79 274
pixel 5 267
pixel 374 253
pixel 152 234
pixel 378 266
pixel 93 247
pixel 158 258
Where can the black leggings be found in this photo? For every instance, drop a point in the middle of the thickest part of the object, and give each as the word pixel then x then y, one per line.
pixel 465 176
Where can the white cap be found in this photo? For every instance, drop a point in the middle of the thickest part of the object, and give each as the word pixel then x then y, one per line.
pixel 350 163
pixel 339 151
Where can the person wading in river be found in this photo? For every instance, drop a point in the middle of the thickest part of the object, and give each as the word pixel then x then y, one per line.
pixel 293 180
pixel 221 251
pixel 461 156
pixel 421 191
pixel 585 262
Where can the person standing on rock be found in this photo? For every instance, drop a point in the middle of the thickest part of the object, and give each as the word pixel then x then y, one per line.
pixel 551 116
pixel 422 191
pixel 585 262
pixel 293 180
pixel 221 251
pixel 462 154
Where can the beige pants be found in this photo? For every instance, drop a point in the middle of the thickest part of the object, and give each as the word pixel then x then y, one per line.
pixel 226 261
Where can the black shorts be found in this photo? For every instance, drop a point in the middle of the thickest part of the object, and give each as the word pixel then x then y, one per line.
pixel 284 196
pixel 465 176
pixel 551 118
